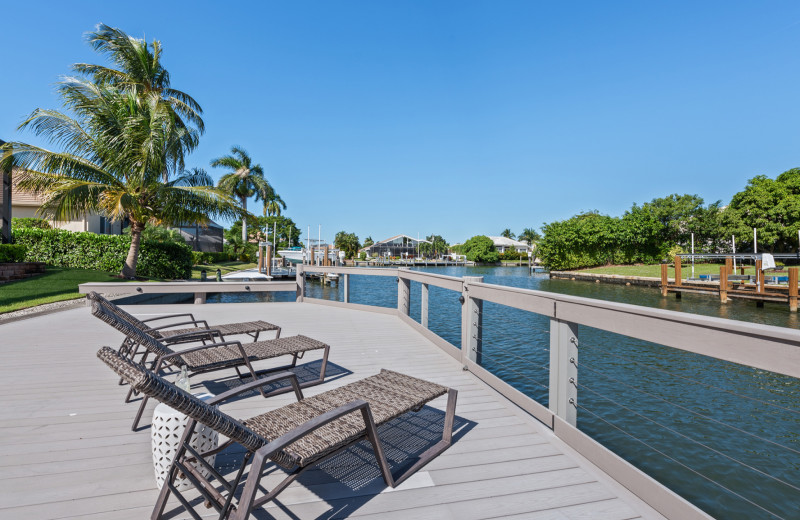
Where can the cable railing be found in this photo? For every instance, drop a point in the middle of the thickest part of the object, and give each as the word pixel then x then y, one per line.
pixel 706 406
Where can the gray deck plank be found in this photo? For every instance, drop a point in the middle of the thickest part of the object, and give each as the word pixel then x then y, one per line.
pixel 67 450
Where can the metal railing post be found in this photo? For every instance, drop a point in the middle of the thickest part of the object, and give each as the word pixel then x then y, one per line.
pixel 564 370
pixel 471 322
pixel 300 277
pixel 346 280
pixel 423 314
pixel 403 294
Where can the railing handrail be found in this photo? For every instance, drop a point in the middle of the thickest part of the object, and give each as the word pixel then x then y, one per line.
pixel 187 287
pixel 369 271
pixel 453 283
pixel 767 347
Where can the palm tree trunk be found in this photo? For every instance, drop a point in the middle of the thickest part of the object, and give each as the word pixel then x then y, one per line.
pixel 129 268
pixel 244 220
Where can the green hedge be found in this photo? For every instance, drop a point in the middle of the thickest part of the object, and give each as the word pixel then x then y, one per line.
pixel 12 253
pixel 85 250
pixel 200 257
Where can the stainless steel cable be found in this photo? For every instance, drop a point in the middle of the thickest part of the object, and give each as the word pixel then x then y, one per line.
pixel 709 479
pixel 690 439
pixel 707 385
pixel 588 367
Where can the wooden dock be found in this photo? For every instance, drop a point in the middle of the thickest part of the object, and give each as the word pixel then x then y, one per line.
pixel 760 291
pixel 68 452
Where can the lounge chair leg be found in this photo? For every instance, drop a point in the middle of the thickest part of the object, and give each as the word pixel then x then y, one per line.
pixel 429 454
pixel 250 487
pixel 278 333
pixel 139 413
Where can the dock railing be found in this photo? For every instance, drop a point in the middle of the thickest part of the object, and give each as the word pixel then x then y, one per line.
pixel 561 328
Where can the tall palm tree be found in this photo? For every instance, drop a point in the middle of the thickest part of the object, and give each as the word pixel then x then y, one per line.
pixel 122 155
pixel 272 201
pixel 507 233
pixel 243 180
pixel 139 69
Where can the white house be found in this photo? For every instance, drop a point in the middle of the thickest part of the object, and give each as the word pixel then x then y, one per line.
pixel 503 243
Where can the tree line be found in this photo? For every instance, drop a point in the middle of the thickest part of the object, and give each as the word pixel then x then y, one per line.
pixel 663 227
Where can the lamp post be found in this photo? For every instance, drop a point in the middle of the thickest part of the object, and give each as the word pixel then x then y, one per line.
pixel 5 203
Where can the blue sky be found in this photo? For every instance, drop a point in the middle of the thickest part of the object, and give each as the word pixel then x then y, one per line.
pixel 455 118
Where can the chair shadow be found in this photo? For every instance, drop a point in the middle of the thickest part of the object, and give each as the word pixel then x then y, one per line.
pixel 306 373
pixel 350 479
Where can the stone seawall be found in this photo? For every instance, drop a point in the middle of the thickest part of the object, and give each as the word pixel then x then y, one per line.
pixel 647 281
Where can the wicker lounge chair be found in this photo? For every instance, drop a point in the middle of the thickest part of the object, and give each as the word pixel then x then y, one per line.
pixel 295 437
pixel 211 356
pixel 169 333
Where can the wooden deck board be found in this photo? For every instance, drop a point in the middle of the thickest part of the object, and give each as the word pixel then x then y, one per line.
pixel 68 451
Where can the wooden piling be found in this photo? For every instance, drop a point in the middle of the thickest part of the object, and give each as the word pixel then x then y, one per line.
pixel 729 265
pixel 759 277
pixel 678 271
pixel 311 259
pixel 664 279
pixel 325 260
pixel 723 282
pixel 793 289
pixel 260 258
pixel 268 261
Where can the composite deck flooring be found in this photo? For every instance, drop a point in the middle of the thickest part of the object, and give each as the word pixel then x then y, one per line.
pixel 67 450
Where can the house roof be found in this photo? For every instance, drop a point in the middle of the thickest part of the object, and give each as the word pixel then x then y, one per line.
pixel 396 237
pixel 507 242
pixel 20 197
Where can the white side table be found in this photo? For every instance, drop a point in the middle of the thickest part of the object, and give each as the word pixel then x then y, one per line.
pixel 166 433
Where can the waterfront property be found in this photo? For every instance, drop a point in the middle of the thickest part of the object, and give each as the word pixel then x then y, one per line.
pixel 503 244
pixel 400 246
pixel 643 390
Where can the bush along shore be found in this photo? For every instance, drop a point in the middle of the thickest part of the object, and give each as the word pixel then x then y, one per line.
pixel 84 250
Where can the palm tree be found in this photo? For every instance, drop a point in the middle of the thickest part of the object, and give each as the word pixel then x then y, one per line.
pixel 139 70
pixel 272 201
pixel 123 153
pixel 243 180
pixel 507 233
pixel 113 163
pixel 530 236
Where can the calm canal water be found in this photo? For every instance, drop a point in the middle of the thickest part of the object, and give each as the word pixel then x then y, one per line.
pixel 725 437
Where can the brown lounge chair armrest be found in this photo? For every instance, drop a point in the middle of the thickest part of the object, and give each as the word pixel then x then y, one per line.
pixel 309 426
pixel 191 317
pixel 187 337
pixel 278 376
pixel 247 499
pixel 193 322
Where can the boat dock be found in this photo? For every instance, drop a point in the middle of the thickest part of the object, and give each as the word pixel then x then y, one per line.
pixel 729 286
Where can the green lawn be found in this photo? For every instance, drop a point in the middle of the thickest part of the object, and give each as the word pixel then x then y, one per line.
pixel 55 285
pixel 655 270
pixel 225 267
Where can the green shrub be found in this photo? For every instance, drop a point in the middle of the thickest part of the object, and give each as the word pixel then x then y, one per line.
pixel 210 257
pixel 12 253
pixel 28 222
pixel 84 250
pixel 481 249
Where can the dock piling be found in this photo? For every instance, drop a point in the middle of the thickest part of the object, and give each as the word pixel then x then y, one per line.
pixel 723 282
pixel 664 279
pixel 678 280
pixel 793 289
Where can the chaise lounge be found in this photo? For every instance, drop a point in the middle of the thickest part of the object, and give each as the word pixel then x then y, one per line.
pixel 211 356
pixel 295 437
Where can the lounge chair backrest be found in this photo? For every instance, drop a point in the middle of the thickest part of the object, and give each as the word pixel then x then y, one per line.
pixel 115 309
pixel 134 333
pixel 158 388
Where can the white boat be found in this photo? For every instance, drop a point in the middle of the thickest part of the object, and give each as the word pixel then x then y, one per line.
pixel 299 256
pixel 246 275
